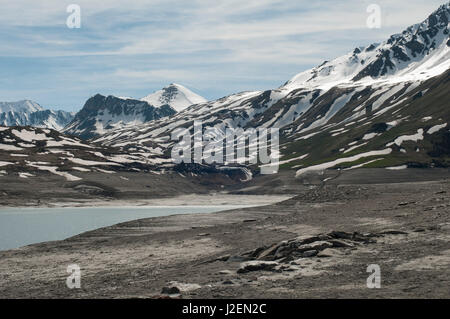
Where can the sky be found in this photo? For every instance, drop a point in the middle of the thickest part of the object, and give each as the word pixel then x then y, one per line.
pixel 215 48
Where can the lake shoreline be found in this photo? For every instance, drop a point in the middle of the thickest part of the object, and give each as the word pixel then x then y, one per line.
pixel 190 200
pixel 408 223
pixel 396 219
pixel 28 226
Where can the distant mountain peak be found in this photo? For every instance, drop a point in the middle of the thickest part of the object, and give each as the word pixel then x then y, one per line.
pixel 24 106
pixel 30 113
pixel 175 95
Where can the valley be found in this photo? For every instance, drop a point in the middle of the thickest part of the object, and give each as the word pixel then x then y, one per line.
pixel 362 178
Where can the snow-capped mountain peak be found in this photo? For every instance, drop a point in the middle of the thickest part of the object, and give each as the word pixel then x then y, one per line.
pixel 420 51
pixel 29 113
pixel 174 95
pixel 24 106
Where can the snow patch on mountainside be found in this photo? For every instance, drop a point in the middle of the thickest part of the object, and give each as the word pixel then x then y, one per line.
pixel 343 160
pixel 436 128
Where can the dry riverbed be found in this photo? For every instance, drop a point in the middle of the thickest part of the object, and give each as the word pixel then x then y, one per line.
pixel 317 244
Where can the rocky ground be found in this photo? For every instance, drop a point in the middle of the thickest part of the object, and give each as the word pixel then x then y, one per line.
pixel 315 245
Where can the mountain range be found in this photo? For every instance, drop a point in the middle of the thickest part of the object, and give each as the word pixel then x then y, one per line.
pixel 382 105
pixel 26 112
pixel 102 114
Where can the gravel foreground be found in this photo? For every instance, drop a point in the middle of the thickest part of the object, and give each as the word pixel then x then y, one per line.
pixel 315 245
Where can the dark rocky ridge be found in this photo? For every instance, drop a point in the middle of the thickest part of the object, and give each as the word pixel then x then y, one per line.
pixel 84 123
pixel 420 40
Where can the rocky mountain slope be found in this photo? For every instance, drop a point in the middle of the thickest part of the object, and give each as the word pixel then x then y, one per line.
pixel 102 114
pixel 27 152
pixel 26 112
pixel 383 105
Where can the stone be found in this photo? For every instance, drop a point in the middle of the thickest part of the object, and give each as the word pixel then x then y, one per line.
pixel 283 251
pixel 372 234
pixel 329 252
pixel 393 232
pixel 340 235
pixel 165 297
pixel 254 252
pixel 286 268
pixel 302 240
pixel 182 287
pixel 341 243
pixel 203 235
pixel 257 266
pixel 239 258
pixel 170 290
pixel 324 237
pixel 318 245
pixel 361 238
pixel 309 253
pixel 224 258
pixel 268 252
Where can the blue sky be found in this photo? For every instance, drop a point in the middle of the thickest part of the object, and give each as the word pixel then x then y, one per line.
pixel 215 48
